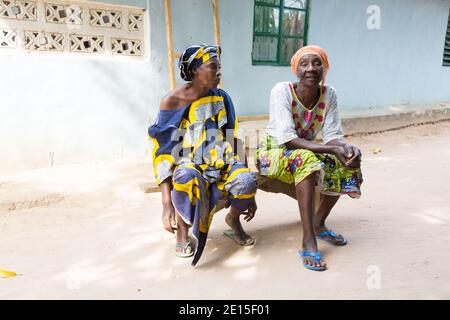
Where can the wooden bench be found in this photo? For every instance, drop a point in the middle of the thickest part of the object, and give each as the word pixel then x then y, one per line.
pixel 264 183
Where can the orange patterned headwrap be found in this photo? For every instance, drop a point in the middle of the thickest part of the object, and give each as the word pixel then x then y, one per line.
pixel 311 49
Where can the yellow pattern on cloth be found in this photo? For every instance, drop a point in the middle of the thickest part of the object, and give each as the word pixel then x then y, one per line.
pixel 195 149
pixel 206 134
pixel 294 165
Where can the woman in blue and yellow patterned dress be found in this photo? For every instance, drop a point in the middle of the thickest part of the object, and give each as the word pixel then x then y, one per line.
pixel 195 158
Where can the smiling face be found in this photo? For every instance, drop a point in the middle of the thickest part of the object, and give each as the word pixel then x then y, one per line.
pixel 208 74
pixel 310 70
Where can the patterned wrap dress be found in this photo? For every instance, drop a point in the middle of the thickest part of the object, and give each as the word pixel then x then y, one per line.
pixel 193 146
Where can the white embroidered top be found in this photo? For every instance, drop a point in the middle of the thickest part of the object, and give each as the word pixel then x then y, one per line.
pixel 289 119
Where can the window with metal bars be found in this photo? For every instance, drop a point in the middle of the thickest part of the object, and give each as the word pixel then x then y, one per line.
pixel 446 61
pixel 280 28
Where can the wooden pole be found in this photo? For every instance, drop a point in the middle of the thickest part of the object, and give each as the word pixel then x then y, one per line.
pixel 217 28
pixel 216 22
pixel 169 39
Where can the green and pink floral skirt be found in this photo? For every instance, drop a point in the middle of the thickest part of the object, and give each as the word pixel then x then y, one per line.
pixel 293 165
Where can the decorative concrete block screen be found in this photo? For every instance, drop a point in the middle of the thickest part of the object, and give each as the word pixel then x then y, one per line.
pixel 83 28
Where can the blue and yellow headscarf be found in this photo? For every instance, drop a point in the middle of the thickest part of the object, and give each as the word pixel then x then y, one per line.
pixel 194 56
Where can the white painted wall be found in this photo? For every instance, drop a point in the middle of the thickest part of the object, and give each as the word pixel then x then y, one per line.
pixel 74 109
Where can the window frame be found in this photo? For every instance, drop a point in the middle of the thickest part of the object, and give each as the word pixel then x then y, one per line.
pixel 446 54
pixel 281 7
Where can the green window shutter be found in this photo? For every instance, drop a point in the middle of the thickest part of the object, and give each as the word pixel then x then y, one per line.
pixel 280 28
pixel 446 61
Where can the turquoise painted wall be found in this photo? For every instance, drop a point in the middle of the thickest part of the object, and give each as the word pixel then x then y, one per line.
pixel 401 63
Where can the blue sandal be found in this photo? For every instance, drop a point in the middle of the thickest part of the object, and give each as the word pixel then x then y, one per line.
pixel 339 240
pixel 316 257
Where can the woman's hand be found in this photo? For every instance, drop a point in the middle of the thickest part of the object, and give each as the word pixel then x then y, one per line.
pixel 353 156
pixel 342 154
pixel 168 213
pixel 168 217
pixel 251 211
pixel 348 155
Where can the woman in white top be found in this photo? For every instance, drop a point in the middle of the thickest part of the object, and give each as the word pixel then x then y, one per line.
pixel 298 112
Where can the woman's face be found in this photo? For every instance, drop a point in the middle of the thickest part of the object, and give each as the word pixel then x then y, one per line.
pixel 208 74
pixel 310 70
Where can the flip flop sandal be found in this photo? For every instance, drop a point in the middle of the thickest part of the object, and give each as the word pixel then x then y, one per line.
pixel 232 235
pixel 184 253
pixel 338 240
pixel 316 257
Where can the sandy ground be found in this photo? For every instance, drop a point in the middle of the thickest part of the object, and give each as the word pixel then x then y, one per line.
pixel 88 231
